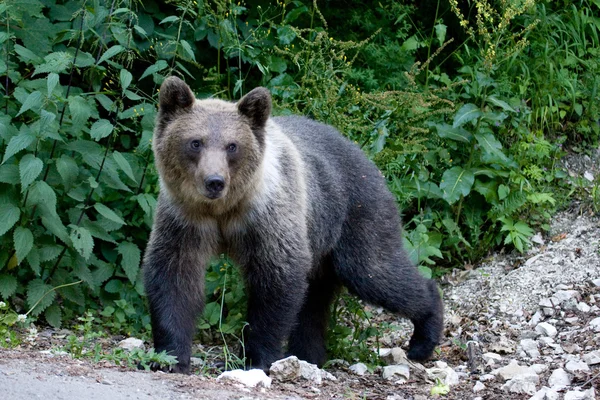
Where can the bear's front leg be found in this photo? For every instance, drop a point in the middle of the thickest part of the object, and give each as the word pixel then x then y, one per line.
pixel 174 267
pixel 277 287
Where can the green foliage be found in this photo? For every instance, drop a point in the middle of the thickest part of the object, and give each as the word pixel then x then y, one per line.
pixel 467 133
pixel 8 318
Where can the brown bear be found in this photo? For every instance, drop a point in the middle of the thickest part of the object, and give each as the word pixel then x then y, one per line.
pixel 299 208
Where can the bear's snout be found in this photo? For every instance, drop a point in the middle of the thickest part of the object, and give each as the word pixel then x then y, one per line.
pixel 214 185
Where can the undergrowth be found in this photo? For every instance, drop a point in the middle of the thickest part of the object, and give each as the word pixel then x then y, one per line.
pixel 465 114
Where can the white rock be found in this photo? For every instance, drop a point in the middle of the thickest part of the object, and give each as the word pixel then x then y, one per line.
pixel 596 282
pixel 397 373
pixel 491 356
pixel 537 238
pixel 545 393
pixel 251 378
pixel 286 369
pixel 559 378
pixel 577 367
pixel 487 377
pixel 131 343
pixel 520 386
pixel 536 318
pixel 513 369
pixel 530 347
pixel 592 358
pixel 546 329
pixel 478 387
pixel 359 369
pixel 583 307
pixel 539 368
pixel 595 324
pixel 589 394
pixel 444 373
pixel 564 295
pixel 589 176
pixel 312 373
pixel 393 356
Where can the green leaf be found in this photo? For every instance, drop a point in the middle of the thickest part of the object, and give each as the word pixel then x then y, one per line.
pixel 113 51
pixel 23 239
pixel 158 66
pixel 286 34
pixel 53 315
pixel 9 173
pixel 108 213
pixel 492 150
pixel 80 110
pixel 124 165
pixel 29 168
pixel 43 195
pixel 125 77
pixel 18 143
pixel 82 240
pixel 49 253
pixel 445 131
pixel 9 215
pixel 440 33
pixel 101 129
pixel 8 285
pixel 540 198
pixel 131 259
pixel 188 49
pixel 456 181
pixel 27 56
pixel 171 18
pixel 147 202
pixel 465 114
pixel 33 258
pixel 56 227
pixel 57 62
pixel 502 104
pixel 68 170
pixel 34 100
pixel 113 286
pixel 37 290
pixel 52 82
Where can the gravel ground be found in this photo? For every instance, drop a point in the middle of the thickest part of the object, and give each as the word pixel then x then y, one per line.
pixel 517 327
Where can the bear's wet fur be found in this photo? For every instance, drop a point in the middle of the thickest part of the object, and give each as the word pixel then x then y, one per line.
pixel 296 205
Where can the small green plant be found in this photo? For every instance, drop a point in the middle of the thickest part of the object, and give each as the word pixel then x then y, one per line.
pixel 8 318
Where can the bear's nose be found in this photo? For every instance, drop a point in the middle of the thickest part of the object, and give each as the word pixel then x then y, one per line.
pixel 214 184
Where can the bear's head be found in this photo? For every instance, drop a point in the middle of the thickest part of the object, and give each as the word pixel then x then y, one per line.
pixel 209 152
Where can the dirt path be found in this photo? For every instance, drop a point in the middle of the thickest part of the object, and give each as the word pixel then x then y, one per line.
pixel 516 327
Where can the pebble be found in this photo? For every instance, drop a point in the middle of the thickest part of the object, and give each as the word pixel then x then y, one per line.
pixel 545 393
pixel 592 358
pixel 131 343
pixel 589 394
pixel 559 378
pixel 359 369
pixel 512 370
pixel 546 329
pixel 251 378
pixel 583 307
pixel 576 367
pixel 530 347
pixel 478 387
pixel 444 373
pixel 397 373
pixel 595 324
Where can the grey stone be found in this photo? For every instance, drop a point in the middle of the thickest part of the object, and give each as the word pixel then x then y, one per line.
pixel 589 394
pixel 545 393
pixel 546 329
pixel 530 347
pixel 520 386
pixel 359 369
pixel 577 367
pixel 592 358
pixel 513 369
pixel 131 343
pixel 559 378
pixel 478 387
pixel 251 378
pixel 583 307
pixel 396 373
pixel 286 369
pixel 595 324
pixel 444 373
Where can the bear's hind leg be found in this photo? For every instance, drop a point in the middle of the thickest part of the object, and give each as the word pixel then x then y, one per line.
pixel 307 340
pixel 396 285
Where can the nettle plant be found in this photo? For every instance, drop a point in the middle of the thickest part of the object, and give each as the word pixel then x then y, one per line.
pixel 76 181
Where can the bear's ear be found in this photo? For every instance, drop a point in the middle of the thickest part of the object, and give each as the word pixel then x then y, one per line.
pixel 175 95
pixel 256 106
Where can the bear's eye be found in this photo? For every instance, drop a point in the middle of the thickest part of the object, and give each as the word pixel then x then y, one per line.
pixel 232 148
pixel 195 145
